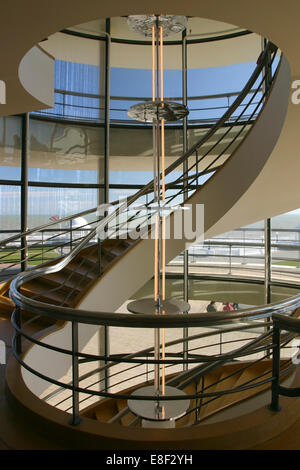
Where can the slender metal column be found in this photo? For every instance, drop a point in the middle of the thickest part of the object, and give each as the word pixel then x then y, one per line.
pixel 107 112
pixel 24 187
pixel 106 165
pixel 267 261
pixel 75 420
pixel 185 192
pixel 268 264
pixel 268 68
pixel 276 370
pixel 158 229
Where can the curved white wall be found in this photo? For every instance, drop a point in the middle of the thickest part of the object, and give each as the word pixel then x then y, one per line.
pixel 36 73
pixel 54 364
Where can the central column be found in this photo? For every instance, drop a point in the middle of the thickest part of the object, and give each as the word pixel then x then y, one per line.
pixel 158 412
pixel 159 197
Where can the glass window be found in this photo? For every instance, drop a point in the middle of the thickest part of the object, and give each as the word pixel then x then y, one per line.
pixel 131 154
pixel 79 77
pixel 286 246
pixel 66 153
pixel 46 203
pixel 9 210
pixel 10 148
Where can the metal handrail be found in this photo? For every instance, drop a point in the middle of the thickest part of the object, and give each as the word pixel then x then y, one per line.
pixel 145 98
pixel 208 364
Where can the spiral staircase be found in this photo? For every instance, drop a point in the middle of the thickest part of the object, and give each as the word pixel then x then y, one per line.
pixel 50 301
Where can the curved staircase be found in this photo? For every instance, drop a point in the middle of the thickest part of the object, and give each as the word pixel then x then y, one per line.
pixel 81 278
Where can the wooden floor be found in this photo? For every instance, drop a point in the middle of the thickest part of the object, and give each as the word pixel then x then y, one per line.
pixel 288 440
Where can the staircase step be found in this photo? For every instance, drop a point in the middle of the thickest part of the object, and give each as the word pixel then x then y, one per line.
pixel 127 419
pixel 189 418
pixel 106 413
pixel 116 247
pixel 42 292
pixel 245 377
pixel 62 279
pixel 224 383
pixel 6 305
pixel 212 402
pixel 80 271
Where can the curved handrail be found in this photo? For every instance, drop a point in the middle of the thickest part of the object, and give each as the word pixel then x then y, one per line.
pixel 148 321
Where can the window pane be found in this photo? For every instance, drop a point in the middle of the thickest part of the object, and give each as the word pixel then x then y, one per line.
pixel 9 210
pixel 286 246
pixel 46 203
pixel 65 153
pixel 10 148
pixel 79 77
pixel 131 154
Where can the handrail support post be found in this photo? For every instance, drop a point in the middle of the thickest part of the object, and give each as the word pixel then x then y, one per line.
pixel 275 369
pixel 75 420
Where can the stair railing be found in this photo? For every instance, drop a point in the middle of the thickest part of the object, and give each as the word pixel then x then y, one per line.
pixel 200 364
pixel 291 325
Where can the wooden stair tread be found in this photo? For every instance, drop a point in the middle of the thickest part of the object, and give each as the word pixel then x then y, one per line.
pixel 105 413
pixel 79 270
pixel 6 301
pixel 62 279
pixel 40 292
pixel 129 417
pixel 223 383
pixel 232 399
pixel 67 286
pixel 239 373
pixel 190 418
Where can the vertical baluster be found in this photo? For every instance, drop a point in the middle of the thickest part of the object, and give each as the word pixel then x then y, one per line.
pixel 42 246
pixel 71 235
pixel 197 169
pixel 106 351
pixel 99 256
pixel 24 189
pixel 185 190
pixel 275 369
pixel 75 420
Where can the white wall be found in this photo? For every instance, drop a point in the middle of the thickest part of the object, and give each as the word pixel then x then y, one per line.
pixel 36 73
